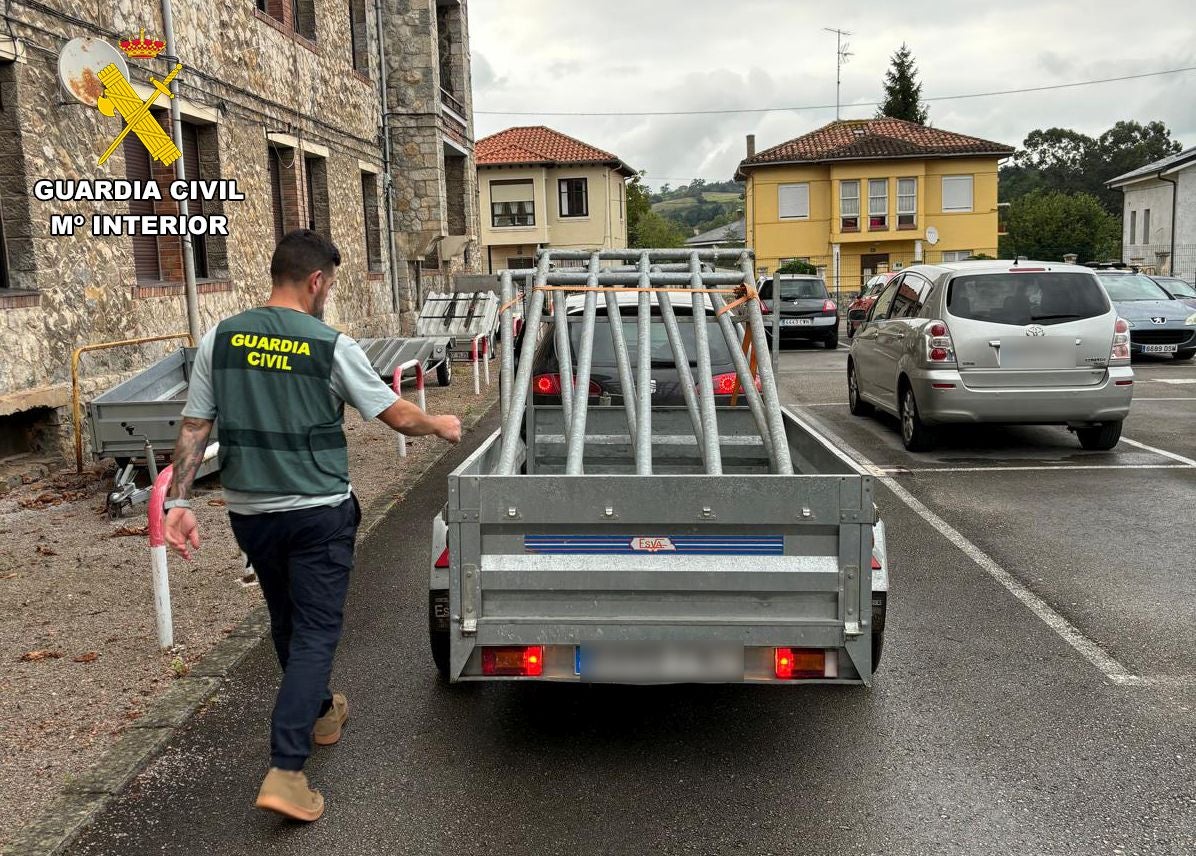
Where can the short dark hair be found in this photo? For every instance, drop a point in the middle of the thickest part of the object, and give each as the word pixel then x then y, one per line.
pixel 301 253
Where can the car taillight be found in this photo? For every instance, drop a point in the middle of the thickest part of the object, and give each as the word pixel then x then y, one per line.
pixel 522 661
pixel 724 384
pixel 550 384
pixel 829 306
pixel 443 561
pixel 1121 341
pixel 939 348
pixel 789 663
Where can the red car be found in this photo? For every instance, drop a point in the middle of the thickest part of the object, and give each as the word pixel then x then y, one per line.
pixel 858 308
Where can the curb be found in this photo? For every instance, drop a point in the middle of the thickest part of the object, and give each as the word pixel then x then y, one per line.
pixel 82 800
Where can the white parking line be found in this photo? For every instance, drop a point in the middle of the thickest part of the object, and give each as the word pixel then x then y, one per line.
pixel 1158 451
pixel 1174 380
pixel 1114 671
pixel 1140 398
pixel 904 471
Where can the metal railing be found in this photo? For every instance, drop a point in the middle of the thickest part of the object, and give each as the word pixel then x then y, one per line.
pixel 651 272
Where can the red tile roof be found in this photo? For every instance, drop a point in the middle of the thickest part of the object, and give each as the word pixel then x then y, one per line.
pixel 874 139
pixel 540 145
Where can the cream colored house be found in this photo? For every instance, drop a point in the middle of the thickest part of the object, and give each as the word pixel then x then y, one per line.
pixel 540 188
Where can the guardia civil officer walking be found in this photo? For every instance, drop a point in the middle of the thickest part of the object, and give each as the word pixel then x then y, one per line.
pixel 278 379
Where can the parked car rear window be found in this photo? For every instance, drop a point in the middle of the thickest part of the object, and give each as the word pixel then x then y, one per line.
pixel 796 289
pixel 1026 298
pixel 1133 286
pixel 1177 287
pixel 662 351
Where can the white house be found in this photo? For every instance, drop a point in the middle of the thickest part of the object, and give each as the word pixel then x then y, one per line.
pixel 1159 220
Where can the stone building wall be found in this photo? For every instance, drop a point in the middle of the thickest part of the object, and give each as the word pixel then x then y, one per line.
pixel 259 85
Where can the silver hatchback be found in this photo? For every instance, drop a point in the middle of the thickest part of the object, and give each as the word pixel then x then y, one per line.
pixel 1032 343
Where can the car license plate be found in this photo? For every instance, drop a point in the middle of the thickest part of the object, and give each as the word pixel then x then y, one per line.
pixel 797 322
pixel 1159 349
pixel 659 663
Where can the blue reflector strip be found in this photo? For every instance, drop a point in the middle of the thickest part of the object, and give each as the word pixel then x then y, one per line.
pixel 693 545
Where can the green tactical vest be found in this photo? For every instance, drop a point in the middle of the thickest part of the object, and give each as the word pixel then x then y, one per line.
pixel 280 424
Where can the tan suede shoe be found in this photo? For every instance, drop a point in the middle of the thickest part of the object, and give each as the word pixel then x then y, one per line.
pixel 328 726
pixel 287 792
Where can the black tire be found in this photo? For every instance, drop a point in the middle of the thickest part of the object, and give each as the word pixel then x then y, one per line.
pixel 879 609
pixel 916 436
pixel 832 343
pixel 1100 438
pixel 439 640
pixel 878 645
pixel 855 404
pixel 444 372
pixel 1184 355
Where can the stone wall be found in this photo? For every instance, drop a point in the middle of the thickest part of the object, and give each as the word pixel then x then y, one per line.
pixel 247 75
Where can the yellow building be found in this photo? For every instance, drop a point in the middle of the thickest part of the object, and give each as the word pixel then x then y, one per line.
pixel 540 188
pixel 859 197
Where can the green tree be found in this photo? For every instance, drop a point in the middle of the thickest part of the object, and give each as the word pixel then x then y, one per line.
pixel 903 92
pixel 1047 224
pixel 646 228
pixel 797 266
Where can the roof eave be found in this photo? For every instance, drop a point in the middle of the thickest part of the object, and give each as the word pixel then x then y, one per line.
pixel 744 165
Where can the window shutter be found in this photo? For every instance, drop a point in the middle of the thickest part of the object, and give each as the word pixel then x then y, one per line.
pixel 145 247
pixel 276 192
pixel 793 200
pixel 957 193
pixel 199 247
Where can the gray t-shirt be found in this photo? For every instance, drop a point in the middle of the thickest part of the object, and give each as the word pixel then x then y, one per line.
pixel 353 381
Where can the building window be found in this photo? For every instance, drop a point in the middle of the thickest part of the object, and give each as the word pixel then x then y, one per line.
pixel 315 173
pixel 849 206
pixel 359 36
pixel 520 263
pixel 878 203
pixel 1133 227
pixel 957 193
pixel 956 255
pixel 907 203
pixel 145 247
pixel 4 283
pixel 1146 225
pixel 276 193
pixel 793 201
pixel 511 204
pixel 303 14
pixel 622 191
pixel 373 228
pixel 575 197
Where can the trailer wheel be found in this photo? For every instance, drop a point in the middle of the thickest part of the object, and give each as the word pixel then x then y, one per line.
pixel 444 372
pixel 439 640
pixel 878 644
pixel 880 603
pixel 438 630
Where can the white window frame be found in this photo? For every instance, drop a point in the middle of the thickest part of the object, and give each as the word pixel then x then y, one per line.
pixel 959 181
pixel 880 202
pixel 855 200
pixel 956 255
pixel 907 204
pixel 798 198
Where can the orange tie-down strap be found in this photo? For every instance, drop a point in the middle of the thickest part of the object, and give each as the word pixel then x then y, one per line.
pixel 742 293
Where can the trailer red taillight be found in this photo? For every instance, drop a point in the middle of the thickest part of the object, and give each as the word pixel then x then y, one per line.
pixel 875 564
pixel 521 661
pixel 443 561
pixel 791 663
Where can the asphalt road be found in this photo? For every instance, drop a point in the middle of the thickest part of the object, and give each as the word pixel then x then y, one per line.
pixel 1037 695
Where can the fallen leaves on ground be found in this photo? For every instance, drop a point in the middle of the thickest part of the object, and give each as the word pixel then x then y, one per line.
pixel 43 550
pixel 89 657
pixel 37 656
pixel 218 503
pixel 11 576
pixel 48 499
pixel 130 532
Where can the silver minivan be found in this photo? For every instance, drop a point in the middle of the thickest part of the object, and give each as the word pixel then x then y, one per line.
pixel 1021 342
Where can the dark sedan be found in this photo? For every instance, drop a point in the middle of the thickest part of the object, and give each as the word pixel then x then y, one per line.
pixel 1178 288
pixel 807 311
pixel 604 372
pixel 1159 323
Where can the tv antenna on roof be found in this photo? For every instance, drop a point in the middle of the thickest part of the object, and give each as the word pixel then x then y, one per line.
pixel 841 56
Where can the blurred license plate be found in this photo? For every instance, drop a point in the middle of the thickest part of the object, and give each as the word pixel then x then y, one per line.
pixel 1159 349
pixel 660 662
pixel 797 322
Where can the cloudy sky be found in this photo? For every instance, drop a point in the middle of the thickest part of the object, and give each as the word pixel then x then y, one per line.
pixel 608 56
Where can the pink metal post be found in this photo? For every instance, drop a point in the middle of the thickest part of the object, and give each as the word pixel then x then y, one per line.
pixel 157 544
pixel 486 358
pixel 396 384
pixel 473 358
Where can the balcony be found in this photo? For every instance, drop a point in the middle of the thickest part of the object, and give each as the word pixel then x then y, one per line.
pixel 452 106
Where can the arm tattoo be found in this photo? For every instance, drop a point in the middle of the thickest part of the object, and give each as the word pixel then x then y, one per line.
pixel 188 455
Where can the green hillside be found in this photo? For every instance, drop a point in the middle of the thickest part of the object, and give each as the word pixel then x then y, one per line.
pixel 700 206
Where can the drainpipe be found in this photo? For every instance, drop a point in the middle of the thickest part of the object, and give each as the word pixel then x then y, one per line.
pixel 387 181
pixel 180 172
pixel 1174 203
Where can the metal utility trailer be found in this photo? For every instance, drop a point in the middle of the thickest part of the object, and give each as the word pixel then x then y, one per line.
pixel 643 544
pixel 430 352
pixel 137 421
pixel 463 316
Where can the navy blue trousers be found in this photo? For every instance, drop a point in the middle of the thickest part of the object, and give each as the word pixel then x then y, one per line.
pixel 303 559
